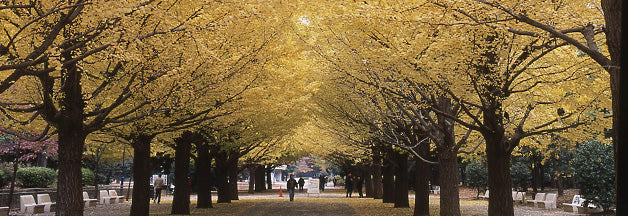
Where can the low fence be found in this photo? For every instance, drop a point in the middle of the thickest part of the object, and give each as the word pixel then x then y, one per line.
pixel 91 190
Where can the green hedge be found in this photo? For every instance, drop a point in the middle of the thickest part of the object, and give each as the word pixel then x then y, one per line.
pixel 595 173
pixel 5 177
pixel 87 176
pixel 36 177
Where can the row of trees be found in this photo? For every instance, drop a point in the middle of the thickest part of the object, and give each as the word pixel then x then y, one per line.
pixel 467 78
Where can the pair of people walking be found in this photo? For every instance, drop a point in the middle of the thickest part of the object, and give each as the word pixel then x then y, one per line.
pixel 350 181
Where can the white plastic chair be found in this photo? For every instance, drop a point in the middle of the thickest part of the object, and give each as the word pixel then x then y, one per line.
pixel 485 195
pixel 519 197
pixel 538 198
pixel 44 199
pixel 105 199
pixel 87 200
pixel 28 205
pixel 114 195
pixel 550 201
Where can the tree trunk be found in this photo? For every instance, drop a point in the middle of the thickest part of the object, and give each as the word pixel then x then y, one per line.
pixel 181 197
pixel 499 180
pixel 377 182
pixel 388 183
pixel 422 184
pixel 535 178
pixel 401 181
pixel 203 168
pixel 141 174
pixel 260 178
pixel 368 180
pixel 448 171
pixel 251 179
pixel 613 31
pixel 233 179
pixel 224 189
pixel 269 180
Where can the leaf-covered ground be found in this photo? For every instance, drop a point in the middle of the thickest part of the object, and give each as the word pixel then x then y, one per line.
pixel 258 206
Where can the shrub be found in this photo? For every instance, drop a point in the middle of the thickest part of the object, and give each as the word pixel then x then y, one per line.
pixel 595 173
pixel 477 176
pixel 5 177
pixel 87 176
pixel 36 176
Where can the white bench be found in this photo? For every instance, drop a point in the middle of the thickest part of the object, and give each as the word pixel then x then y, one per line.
pixel 105 199
pixel 114 195
pixel 538 198
pixel 485 195
pixel 576 206
pixel 28 205
pixel 519 197
pixel 550 201
pixel 4 211
pixel 89 202
pixel 44 199
pixel 435 190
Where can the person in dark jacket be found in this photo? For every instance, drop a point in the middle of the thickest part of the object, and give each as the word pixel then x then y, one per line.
pixel 322 180
pixel 301 183
pixel 358 185
pixel 349 185
pixel 292 184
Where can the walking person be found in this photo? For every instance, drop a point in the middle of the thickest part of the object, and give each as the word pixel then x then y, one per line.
pixel 158 183
pixel 358 185
pixel 292 184
pixel 301 183
pixel 349 185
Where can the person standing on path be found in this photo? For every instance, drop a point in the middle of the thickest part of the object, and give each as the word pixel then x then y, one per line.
pixel 322 180
pixel 358 185
pixel 158 183
pixel 292 184
pixel 349 185
pixel 301 183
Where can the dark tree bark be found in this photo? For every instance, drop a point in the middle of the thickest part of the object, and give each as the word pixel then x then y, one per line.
pixel 269 181
pixel 401 181
pixel 449 194
pixel 368 183
pixel 141 174
pixel 499 181
pixel 224 189
pixel 251 179
pixel 233 178
pixel 388 183
pixel 71 138
pixel 260 178
pixel 422 184
pixel 203 168
pixel 377 173
pixel 181 198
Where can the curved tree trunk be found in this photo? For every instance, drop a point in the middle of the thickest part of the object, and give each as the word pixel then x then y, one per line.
pixel 203 167
pixel 269 180
pixel 401 181
pixel 141 175
pixel 181 198
pixel 422 184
